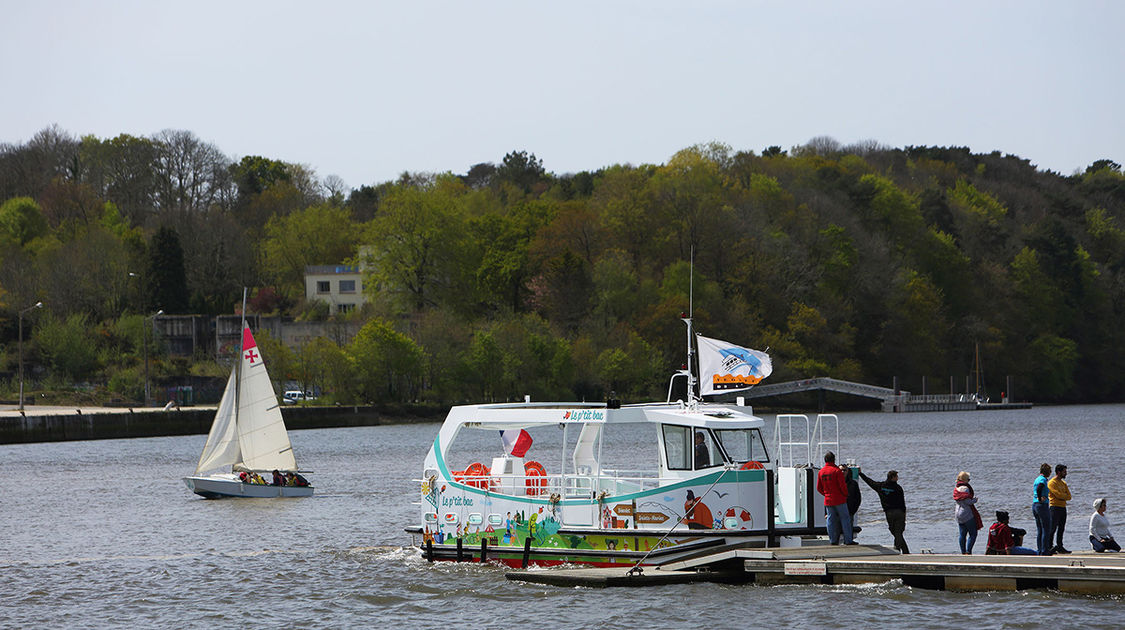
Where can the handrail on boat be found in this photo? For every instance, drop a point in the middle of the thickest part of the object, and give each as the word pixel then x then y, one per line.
pixel 818 433
pixel 569 486
pixel 790 442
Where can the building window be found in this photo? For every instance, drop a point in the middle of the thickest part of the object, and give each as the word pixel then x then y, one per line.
pixel 323 286
pixel 345 308
pixel 347 286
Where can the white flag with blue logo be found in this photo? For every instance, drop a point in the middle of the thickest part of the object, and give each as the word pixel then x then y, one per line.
pixel 725 367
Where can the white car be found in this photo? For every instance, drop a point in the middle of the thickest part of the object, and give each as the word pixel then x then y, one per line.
pixel 293 397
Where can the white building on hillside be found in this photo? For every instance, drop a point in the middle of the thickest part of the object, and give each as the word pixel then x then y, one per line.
pixel 341 286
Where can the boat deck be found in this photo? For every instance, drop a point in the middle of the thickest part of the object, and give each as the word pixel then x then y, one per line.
pixel 1084 572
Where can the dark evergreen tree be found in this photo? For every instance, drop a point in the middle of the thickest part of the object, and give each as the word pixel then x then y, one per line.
pixel 521 169
pixel 165 279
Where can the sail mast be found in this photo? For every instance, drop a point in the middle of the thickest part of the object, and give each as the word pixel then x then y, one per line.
pixel 238 360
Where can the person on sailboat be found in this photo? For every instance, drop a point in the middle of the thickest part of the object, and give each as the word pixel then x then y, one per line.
pixel 277 479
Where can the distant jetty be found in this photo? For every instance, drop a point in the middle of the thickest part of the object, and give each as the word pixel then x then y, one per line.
pixel 891 399
pixel 59 424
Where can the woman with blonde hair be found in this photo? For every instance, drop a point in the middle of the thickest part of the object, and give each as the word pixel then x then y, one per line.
pixel 968 518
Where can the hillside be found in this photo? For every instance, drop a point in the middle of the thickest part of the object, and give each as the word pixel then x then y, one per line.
pixel 857 262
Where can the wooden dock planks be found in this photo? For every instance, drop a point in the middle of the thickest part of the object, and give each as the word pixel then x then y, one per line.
pixel 1085 573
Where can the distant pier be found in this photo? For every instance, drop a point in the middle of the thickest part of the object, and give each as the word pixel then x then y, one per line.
pixel 891 400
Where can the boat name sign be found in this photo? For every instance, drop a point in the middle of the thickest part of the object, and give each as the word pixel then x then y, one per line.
pixel 584 415
pixel 456 501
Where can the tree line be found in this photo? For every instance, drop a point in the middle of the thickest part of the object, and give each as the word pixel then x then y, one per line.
pixel 860 262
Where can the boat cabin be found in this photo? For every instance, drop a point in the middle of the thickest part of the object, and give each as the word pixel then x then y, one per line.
pixel 583 458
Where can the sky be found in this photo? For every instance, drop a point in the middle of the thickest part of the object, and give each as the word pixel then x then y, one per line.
pixel 367 90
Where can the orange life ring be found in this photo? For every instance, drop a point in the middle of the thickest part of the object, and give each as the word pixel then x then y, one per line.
pixel 752 466
pixel 536 486
pixel 476 473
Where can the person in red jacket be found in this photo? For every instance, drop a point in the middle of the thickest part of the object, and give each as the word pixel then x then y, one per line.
pixel 1000 539
pixel 831 483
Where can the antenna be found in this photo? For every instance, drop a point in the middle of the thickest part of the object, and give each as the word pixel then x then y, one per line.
pixel 692 396
pixel 691 283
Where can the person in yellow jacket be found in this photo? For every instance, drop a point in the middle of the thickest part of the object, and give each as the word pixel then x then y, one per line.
pixel 1059 494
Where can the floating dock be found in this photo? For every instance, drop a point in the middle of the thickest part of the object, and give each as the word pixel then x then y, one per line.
pixel 1084 573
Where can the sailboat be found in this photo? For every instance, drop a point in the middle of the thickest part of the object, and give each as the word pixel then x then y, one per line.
pixel 248 435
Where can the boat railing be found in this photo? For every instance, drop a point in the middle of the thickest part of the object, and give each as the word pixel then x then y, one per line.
pixel 827 434
pixel 611 482
pixel 787 442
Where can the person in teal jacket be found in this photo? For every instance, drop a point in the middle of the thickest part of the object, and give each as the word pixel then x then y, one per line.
pixel 1040 509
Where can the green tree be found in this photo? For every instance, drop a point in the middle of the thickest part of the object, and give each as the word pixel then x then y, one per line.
pixel 317 235
pixel 121 169
pixel 253 174
pixel 489 366
pixel 1053 363
pixel 631 369
pixel 414 243
pixel 21 220
pixel 1040 306
pixel 67 345
pixel 913 335
pixel 503 242
pixel 88 275
pixel 387 364
pixel 564 290
pixel 280 358
pixel 323 366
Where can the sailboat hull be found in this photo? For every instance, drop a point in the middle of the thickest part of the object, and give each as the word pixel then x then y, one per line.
pixel 220 487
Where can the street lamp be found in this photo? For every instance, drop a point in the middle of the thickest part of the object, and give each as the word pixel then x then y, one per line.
pixel 153 318
pixel 26 310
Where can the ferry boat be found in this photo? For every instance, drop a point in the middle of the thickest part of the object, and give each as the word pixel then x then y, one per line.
pixel 607 484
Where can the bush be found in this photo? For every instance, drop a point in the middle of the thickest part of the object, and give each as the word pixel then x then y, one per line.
pixel 128 383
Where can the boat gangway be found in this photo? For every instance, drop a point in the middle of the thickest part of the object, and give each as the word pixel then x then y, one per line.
pixel 890 399
pixel 1086 573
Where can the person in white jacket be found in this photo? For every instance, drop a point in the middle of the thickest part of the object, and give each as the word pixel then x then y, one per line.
pixel 1100 537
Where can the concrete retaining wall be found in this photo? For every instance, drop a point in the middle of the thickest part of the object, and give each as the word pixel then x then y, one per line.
pixel 188 421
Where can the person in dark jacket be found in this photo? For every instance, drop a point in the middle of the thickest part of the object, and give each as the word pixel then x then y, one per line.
pixel 894 505
pixel 854 498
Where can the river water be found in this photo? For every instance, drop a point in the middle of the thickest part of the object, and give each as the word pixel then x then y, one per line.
pixel 104 534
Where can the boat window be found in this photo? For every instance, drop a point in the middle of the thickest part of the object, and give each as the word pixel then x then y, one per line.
pixel 495 520
pixel 475 518
pixel 706 453
pixel 676 446
pixel 743 445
